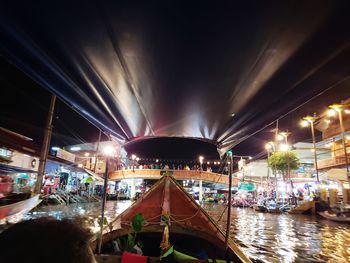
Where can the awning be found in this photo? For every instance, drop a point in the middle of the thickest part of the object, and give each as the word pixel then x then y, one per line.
pixel 336 174
pixel 94 175
pixel 6 169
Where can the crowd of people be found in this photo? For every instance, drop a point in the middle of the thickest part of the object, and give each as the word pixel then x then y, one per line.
pixel 171 166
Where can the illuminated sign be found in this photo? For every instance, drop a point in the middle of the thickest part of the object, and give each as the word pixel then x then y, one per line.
pixel 5 154
pixel 65 155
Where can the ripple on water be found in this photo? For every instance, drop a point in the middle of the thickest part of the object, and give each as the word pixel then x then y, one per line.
pixel 287 238
pixel 264 237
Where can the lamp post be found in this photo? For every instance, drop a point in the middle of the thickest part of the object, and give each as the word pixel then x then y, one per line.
pixel 108 152
pixel 337 108
pixel 133 157
pixel 309 120
pixel 268 147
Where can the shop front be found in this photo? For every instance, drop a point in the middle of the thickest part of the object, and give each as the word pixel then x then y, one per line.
pixel 18 173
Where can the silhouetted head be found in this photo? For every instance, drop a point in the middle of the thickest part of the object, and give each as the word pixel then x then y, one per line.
pixel 46 240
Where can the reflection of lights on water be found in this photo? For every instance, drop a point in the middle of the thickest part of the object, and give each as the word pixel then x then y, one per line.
pixel 264 237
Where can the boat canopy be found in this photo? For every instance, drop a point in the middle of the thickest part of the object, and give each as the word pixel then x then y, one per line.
pixel 168 202
pixel 217 73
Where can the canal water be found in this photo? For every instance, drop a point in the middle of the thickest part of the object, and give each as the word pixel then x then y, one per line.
pixel 264 237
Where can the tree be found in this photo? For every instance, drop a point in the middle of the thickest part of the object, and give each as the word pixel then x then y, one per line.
pixel 283 162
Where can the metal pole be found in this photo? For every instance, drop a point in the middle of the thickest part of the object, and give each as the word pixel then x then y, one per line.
pixel 228 224
pixel 314 146
pixel 104 194
pixel 97 149
pixel 268 172
pixel 344 142
pixel 45 146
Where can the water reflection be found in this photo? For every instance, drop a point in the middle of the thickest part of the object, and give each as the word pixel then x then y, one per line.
pixel 85 213
pixel 286 238
pixel 264 237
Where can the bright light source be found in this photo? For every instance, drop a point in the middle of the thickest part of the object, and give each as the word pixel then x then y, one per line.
pixel 312 150
pixel 133 157
pixel 137 159
pixel 208 162
pixel 86 154
pixel 75 148
pixel 232 115
pixel 218 162
pixel 336 107
pixel 331 112
pixel 228 162
pixel 250 157
pixel 304 123
pixel 327 121
pixel 55 148
pixel 108 150
pixel 268 146
pixel 284 147
pixel 80 165
pixel 157 161
pixel 327 145
pixel 215 163
pixel 279 137
pixel 347 111
pixel 201 159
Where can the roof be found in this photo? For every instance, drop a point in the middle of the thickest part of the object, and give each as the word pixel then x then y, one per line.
pixel 18 142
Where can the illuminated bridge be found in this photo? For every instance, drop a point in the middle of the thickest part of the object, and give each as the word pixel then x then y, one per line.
pixel 203 176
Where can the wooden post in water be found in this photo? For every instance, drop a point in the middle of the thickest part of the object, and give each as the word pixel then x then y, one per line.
pixel 104 195
pixel 45 146
pixel 228 224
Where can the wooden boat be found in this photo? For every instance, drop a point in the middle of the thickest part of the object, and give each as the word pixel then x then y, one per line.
pixel 303 208
pixel 260 208
pixel 191 229
pixel 17 204
pixel 341 218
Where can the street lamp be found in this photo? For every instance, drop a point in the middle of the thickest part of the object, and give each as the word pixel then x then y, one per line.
pixel 284 147
pixel 333 110
pixel 133 157
pixel 309 120
pixel 284 136
pixel 108 151
pixel 269 147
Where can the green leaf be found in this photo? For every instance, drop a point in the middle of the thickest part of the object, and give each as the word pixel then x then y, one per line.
pixel 138 222
pixel 105 221
pixel 131 242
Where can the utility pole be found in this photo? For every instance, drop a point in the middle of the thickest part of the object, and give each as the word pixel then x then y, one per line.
pixel 97 149
pixel 45 146
pixel 228 224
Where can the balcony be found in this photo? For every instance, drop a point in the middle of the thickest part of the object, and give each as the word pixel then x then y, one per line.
pixel 333 162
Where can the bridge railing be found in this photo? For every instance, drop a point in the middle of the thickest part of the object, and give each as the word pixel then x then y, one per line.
pixel 205 176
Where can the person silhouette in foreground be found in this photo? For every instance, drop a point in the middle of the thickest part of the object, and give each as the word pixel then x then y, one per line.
pixel 46 240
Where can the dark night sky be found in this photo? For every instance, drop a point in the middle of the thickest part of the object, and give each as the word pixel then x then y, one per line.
pixel 172 69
